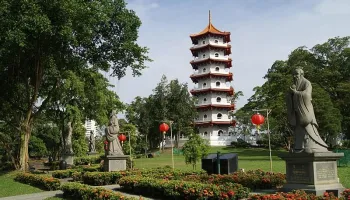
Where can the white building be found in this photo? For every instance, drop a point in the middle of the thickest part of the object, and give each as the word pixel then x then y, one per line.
pixel 213 88
pixel 90 125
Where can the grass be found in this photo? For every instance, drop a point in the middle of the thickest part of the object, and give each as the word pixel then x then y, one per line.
pixel 13 187
pixel 248 159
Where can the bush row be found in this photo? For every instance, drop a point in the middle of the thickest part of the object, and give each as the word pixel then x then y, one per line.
pixel 86 160
pixel 81 191
pixel 100 178
pixel 68 173
pixel 176 189
pixel 43 182
pixel 253 179
pixel 300 194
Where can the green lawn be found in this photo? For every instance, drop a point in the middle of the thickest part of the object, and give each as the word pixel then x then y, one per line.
pixel 9 187
pixel 248 159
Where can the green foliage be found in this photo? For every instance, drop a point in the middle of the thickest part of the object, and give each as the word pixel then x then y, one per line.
pixel 195 149
pixel 50 59
pixel 37 147
pixel 170 101
pixel 129 129
pixel 81 191
pixel 179 189
pixel 80 146
pixel 43 182
pixel 101 178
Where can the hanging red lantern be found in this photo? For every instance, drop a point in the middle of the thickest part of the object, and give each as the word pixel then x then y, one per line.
pixel 233 123
pixel 122 138
pixel 106 145
pixel 163 128
pixel 257 120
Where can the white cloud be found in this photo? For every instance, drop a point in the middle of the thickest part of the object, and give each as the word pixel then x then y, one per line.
pixel 260 34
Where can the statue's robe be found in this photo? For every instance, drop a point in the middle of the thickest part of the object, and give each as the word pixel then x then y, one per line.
pixel 114 147
pixel 301 116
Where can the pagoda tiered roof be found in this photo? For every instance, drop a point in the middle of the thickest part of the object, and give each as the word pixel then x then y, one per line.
pixel 227 62
pixel 211 106
pixel 206 90
pixel 195 77
pixel 211 123
pixel 210 30
pixel 195 49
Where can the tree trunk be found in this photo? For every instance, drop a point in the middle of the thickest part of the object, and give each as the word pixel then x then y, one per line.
pixel 24 154
pixel 177 139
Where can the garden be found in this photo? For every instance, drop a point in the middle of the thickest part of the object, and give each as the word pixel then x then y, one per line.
pixel 86 179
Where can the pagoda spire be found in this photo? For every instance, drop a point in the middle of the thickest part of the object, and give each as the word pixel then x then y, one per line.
pixel 209 18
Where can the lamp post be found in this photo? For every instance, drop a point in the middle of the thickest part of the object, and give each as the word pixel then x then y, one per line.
pixel 268 111
pixel 164 128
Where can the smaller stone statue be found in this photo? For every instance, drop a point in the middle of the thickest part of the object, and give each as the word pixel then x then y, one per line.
pixel 92 142
pixel 111 134
pixel 68 147
pixel 301 116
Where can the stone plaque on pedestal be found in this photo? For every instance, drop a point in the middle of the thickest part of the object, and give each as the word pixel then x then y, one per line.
pixel 69 158
pixel 312 172
pixel 115 163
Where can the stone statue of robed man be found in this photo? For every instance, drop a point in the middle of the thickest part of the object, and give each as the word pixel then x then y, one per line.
pixel 92 142
pixel 301 116
pixel 113 145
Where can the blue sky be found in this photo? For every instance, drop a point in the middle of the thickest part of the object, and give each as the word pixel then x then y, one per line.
pixel 262 31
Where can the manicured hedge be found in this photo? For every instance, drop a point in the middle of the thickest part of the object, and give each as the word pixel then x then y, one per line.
pixel 81 191
pixel 299 194
pixel 40 181
pixel 176 189
pixel 253 179
pixel 101 178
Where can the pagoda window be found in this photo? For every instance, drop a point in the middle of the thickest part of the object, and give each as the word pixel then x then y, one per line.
pixel 219 116
pixel 204 85
pixel 216 41
pixel 203 55
pixel 205 100
pixel 217 84
pixel 216 55
pixel 205 116
pixel 205 134
pixel 203 42
pixel 218 99
pixel 217 69
pixel 220 132
pixel 204 70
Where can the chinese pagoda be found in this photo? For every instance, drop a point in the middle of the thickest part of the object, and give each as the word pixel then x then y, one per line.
pixel 213 90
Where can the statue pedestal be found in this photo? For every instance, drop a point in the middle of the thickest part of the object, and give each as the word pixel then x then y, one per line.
pixel 69 158
pixel 312 172
pixel 115 163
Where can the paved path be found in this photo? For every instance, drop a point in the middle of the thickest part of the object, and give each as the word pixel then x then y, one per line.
pixel 59 193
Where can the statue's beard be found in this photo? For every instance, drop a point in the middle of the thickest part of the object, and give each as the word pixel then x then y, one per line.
pixel 297 82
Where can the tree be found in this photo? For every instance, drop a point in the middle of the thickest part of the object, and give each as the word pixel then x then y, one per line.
pixel 195 149
pixel 41 40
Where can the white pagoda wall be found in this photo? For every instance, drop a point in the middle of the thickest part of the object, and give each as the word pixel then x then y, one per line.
pixel 213 137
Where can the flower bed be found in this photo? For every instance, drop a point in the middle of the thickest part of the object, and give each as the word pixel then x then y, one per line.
pixel 346 194
pixel 43 182
pixel 181 189
pixel 63 173
pixel 81 191
pixel 298 194
pixel 256 179
pixel 101 178
pixel 86 160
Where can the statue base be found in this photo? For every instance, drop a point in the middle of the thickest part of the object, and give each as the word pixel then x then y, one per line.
pixel 69 158
pixel 92 153
pixel 312 172
pixel 115 163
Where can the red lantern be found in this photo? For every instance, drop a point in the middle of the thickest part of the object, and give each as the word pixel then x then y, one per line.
pixel 122 138
pixel 163 128
pixel 257 120
pixel 233 123
pixel 106 144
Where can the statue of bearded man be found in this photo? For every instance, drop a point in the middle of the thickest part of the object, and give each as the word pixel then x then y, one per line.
pixel 301 116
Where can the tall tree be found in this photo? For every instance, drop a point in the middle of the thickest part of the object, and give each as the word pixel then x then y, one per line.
pixel 40 40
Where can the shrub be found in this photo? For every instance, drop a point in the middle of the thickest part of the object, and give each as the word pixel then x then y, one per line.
pixel 346 194
pixel 101 178
pixel 182 189
pixel 63 173
pixel 43 182
pixel 86 160
pixel 81 191
pixel 298 194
